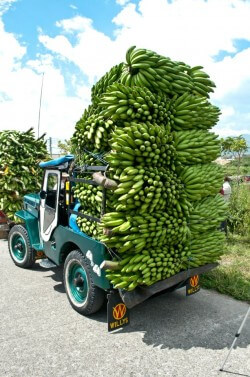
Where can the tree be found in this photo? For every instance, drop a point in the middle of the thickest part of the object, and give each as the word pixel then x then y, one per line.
pixel 226 145
pixel 237 146
pixel 65 146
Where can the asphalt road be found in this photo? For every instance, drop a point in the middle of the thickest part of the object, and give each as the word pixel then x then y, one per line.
pixel 169 335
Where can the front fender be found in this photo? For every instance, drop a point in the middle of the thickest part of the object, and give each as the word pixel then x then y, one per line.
pixel 31 224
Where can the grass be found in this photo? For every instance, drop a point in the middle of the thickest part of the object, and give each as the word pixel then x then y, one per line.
pixel 232 276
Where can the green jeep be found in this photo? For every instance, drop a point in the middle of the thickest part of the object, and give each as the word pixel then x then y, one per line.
pixel 50 231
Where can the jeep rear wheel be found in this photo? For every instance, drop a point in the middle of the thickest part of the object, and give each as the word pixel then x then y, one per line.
pixel 85 297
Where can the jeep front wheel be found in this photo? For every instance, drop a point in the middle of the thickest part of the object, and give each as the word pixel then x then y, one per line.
pixel 20 248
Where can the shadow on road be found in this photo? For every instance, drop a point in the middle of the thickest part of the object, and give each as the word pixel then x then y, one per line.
pixel 57 276
pixel 172 320
pixel 205 320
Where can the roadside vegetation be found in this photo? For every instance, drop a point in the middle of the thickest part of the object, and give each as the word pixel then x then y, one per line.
pixel 232 277
pixel 232 169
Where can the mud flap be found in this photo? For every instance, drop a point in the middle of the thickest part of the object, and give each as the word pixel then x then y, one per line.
pixel 117 312
pixel 193 285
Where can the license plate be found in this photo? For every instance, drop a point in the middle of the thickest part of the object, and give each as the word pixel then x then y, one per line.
pixel 193 285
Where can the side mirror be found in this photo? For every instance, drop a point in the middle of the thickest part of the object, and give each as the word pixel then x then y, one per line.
pixel 43 194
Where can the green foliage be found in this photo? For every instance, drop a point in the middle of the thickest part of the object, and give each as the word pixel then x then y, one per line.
pixel 231 169
pixel 235 145
pixel 232 277
pixel 239 209
pixel 65 146
pixel 20 154
pixel 226 145
pixel 239 146
pixel 228 281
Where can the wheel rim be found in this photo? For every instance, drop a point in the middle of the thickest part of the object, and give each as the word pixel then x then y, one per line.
pixel 77 282
pixel 18 247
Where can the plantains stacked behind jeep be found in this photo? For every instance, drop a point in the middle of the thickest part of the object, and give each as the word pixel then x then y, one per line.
pixel 20 154
pixel 149 121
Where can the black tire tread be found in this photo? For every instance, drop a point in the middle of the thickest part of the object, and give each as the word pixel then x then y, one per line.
pixel 30 259
pixel 96 295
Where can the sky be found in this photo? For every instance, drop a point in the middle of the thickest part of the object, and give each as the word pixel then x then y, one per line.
pixel 70 44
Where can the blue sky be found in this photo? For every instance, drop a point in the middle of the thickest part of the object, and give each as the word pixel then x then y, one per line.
pixel 239 44
pixel 75 42
pixel 44 14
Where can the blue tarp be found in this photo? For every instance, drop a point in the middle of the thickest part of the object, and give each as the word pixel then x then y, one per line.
pixel 57 161
pixel 73 223
pixel 72 220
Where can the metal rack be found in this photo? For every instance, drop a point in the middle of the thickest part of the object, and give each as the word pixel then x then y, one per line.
pixel 87 169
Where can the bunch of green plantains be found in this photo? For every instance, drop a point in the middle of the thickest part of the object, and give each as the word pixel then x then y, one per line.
pixel 20 154
pixel 149 122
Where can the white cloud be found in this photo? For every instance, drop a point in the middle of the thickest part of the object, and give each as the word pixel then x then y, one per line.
pixel 5 5
pixel 77 23
pixel 122 2
pixel 127 18
pixel 93 53
pixel 73 7
pixel 11 51
pixel 20 92
pixel 193 31
pixel 188 30
pixel 60 44
pixel 230 73
pixel 230 131
pixel 227 111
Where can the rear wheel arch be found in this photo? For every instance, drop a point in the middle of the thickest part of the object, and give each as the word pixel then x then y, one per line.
pixel 66 249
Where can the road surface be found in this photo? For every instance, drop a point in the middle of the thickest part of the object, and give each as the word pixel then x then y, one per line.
pixel 170 335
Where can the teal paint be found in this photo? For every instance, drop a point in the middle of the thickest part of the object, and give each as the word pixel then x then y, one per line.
pixel 18 247
pixel 79 291
pixel 31 224
pixel 95 251
pixel 31 203
pixel 61 240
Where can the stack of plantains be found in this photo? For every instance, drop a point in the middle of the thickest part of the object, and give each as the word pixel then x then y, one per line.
pixel 149 121
pixel 20 154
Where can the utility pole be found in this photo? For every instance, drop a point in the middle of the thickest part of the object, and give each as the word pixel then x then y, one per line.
pixel 40 102
pixel 50 146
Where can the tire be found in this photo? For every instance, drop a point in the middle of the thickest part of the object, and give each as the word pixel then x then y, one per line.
pixel 20 248
pixel 84 297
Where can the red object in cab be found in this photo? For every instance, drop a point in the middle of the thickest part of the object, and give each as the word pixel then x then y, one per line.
pixel 3 218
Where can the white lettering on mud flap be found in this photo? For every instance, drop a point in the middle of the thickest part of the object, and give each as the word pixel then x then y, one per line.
pixel 94 266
